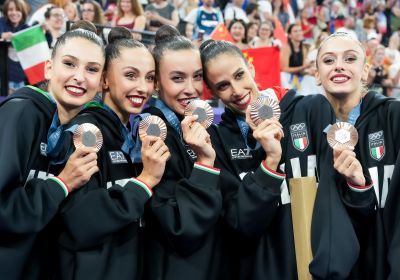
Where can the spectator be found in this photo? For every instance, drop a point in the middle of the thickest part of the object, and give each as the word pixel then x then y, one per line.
pixel 349 27
pixel 234 11
pixel 71 11
pixel 205 18
pixel 293 58
pixel 159 13
pixel 92 11
pixel 265 37
pixel 130 15
pixel 38 15
pixel 378 77
pixel 265 10
pixel 392 51
pixel 394 6
pixel 279 11
pixel 252 31
pixel 252 12
pixel 55 21
pixel 306 26
pixel 238 30
pixel 15 13
pixel 185 7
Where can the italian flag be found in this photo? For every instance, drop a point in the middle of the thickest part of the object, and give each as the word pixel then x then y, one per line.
pixel 32 51
pixel 300 143
pixel 377 152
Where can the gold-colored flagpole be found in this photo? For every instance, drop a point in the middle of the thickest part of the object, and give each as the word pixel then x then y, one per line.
pixel 302 193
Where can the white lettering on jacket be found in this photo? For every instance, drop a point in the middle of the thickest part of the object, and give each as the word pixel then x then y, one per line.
pixel 387 175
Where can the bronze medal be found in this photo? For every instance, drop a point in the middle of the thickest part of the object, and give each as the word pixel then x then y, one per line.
pixel 153 126
pixel 88 135
pixel 264 108
pixel 342 135
pixel 202 109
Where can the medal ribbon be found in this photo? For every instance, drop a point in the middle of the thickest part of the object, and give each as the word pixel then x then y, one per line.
pixel 244 130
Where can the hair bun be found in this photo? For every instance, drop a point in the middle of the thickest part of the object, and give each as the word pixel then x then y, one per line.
pixel 166 32
pixel 119 33
pixel 85 25
pixel 205 44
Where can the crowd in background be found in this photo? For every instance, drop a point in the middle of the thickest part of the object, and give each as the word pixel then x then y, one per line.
pixel 251 24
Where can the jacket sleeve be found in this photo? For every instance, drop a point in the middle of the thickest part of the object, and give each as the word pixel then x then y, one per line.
pixel 186 203
pixel 250 203
pixel 24 207
pixel 360 201
pixel 92 213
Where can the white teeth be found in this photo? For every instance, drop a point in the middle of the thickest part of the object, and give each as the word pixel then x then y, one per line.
pixel 75 90
pixel 242 101
pixel 136 99
pixel 340 79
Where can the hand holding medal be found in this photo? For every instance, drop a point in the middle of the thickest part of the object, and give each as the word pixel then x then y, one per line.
pixel 342 135
pixel 203 111
pixel 88 135
pixel 264 108
pixel 152 126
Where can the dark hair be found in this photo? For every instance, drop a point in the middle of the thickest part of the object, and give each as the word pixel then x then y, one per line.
pixel 241 21
pixel 20 6
pixel 169 38
pixel 80 32
pixel 98 11
pixel 118 38
pixel 289 30
pixel 83 24
pixel 211 49
pixel 251 7
pixel 48 11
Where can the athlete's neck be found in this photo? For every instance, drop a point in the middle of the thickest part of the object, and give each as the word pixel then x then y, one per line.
pixel 343 105
pixel 66 114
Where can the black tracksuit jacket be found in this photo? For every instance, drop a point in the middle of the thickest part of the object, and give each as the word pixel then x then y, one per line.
pixel 28 200
pixel 182 227
pixel 354 235
pixel 256 207
pixel 102 228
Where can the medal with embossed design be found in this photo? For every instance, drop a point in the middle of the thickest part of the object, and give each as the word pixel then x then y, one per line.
pixel 88 135
pixel 264 108
pixel 153 126
pixel 342 135
pixel 201 109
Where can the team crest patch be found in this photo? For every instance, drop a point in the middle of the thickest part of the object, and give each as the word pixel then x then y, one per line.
pixel 299 136
pixel 376 144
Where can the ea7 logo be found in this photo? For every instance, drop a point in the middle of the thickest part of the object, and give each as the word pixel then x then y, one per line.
pixel 241 153
pixel 299 136
pixel 376 143
pixel 117 157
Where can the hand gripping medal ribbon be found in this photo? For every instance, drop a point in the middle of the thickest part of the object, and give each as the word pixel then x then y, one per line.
pixel 202 109
pixel 88 135
pixel 342 135
pixel 153 126
pixel 264 108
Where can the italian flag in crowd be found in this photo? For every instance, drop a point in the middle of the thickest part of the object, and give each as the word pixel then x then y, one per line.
pixel 301 143
pixel 32 51
pixel 377 152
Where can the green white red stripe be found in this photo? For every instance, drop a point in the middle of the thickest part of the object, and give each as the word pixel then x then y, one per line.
pixel 300 143
pixel 359 188
pixel 61 183
pixel 143 185
pixel 271 172
pixel 206 168
pixel 32 51
pixel 378 152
